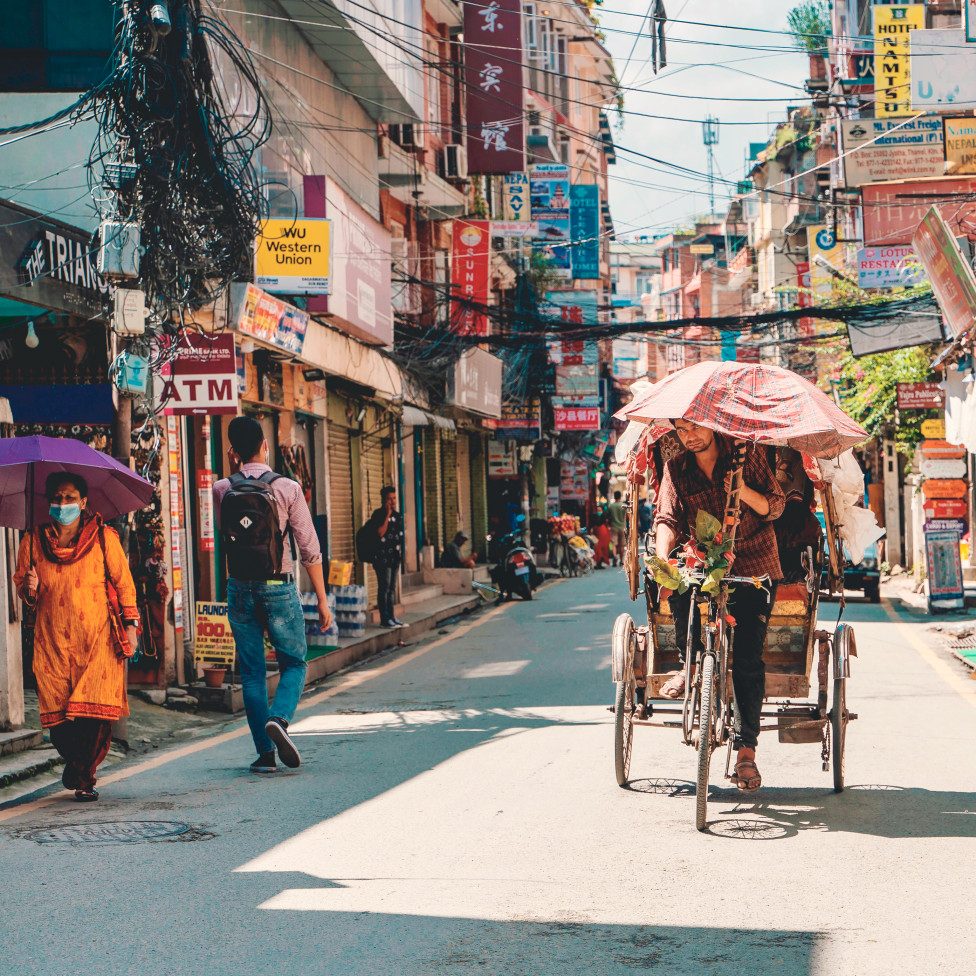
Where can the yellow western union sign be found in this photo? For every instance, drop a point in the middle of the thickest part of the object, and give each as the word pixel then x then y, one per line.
pixel 294 257
pixel 892 58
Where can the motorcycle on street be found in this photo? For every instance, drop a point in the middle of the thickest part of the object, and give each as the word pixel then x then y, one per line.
pixel 515 570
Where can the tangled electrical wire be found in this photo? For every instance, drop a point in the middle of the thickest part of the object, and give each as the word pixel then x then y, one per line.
pixel 180 117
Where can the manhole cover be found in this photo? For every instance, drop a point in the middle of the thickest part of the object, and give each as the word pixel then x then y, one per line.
pixel 110 832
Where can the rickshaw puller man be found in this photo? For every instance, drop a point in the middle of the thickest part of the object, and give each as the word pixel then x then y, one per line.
pixel 696 480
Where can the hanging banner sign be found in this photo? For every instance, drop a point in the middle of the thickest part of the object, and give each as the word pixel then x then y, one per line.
pixel 943 467
pixel 892 211
pixel 549 192
pixel 952 508
pixel 944 578
pixel 936 429
pixel 577 381
pixel 942 449
pixel 878 151
pixel 940 488
pixel 570 307
pixel 520 421
pixel 919 396
pixel 515 196
pixel 822 243
pixel 960 145
pixel 493 80
pixel 202 379
pixel 573 353
pixel 584 230
pixel 257 314
pixel 888 267
pixel 294 257
pixel 470 276
pixel 574 481
pixel 576 418
pixel 952 277
pixel 892 57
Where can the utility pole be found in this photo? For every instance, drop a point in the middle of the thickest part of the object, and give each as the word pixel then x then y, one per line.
pixel 710 138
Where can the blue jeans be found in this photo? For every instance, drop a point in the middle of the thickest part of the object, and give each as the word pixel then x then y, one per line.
pixel 385 587
pixel 254 607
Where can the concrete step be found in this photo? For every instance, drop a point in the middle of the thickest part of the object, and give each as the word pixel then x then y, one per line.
pixel 409 580
pixel 420 594
pixel 11 742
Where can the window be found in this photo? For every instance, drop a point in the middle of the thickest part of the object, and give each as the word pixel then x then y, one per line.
pixel 434 74
pixel 531 31
pixel 55 45
pixel 564 149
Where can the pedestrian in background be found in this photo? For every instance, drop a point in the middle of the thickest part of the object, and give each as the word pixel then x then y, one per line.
pixel 388 523
pixel 452 557
pixel 617 515
pixel 601 552
pixel 255 509
pixel 64 571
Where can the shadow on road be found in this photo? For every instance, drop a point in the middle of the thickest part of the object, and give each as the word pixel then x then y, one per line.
pixel 875 809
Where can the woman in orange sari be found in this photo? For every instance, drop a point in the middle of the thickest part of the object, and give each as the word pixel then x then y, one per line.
pixel 62 570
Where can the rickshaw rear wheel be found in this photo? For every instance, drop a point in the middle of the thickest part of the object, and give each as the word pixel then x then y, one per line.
pixel 623 729
pixel 706 731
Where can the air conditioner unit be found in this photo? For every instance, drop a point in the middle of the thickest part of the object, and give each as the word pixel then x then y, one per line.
pixel 403 135
pixel 455 162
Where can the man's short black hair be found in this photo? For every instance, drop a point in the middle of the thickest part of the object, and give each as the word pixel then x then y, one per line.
pixel 57 478
pixel 388 490
pixel 246 436
pixel 616 496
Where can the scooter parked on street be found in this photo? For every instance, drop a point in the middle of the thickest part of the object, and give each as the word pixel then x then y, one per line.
pixel 515 570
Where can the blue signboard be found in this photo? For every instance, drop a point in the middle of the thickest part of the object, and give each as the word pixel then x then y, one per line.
pixel 584 230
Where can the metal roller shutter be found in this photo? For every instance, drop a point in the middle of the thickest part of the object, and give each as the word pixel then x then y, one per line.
pixel 449 469
pixel 341 530
pixel 464 484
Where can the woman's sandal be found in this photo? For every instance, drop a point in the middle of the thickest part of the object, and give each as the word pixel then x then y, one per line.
pixel 86 796
pixel 742 782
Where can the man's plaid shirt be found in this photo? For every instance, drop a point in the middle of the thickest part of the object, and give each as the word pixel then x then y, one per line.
pixel 685 489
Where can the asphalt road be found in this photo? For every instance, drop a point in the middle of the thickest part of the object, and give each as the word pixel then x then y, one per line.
pixel 456 812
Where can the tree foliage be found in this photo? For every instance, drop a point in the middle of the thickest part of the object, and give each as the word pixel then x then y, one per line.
pixel 810 25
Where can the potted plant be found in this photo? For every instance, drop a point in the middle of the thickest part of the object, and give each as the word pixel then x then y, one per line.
pixel 213 675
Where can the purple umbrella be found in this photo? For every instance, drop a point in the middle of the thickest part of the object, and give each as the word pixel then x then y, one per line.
pixel 26 462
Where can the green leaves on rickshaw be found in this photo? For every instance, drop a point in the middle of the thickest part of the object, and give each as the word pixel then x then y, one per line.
pixel 667 574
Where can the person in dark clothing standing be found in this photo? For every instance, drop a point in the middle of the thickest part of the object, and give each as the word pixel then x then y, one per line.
pixel 388 523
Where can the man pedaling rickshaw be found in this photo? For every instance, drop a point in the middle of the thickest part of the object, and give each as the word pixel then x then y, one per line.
pixel 699 479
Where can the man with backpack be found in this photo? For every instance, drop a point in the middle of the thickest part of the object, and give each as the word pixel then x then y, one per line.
pixel 256 509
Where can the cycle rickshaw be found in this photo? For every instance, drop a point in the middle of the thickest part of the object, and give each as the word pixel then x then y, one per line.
pixel 799 655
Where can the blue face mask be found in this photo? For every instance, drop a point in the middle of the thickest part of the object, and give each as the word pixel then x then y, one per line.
pixel 65 514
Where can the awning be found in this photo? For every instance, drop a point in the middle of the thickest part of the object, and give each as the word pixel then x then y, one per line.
pixel 415 417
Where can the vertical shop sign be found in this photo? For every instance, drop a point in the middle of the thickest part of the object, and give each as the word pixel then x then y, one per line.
pixel 515 197
pixel 493 78
pixel 175 521
pixel 205 481
pixel 960 145
pixel 892 57
pixel 952 277
pixel 470 274
pixel 804 282
pixel 946 589
pixel 822 243
pixel 549 191
pixel 584 230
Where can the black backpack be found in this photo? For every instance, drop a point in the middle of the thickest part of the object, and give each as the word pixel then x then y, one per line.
pixel 367 542
pixel 250 527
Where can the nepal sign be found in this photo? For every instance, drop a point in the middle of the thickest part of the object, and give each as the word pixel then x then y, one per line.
pixel 493 78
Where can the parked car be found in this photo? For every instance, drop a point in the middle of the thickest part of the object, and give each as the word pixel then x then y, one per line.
pixel 865 576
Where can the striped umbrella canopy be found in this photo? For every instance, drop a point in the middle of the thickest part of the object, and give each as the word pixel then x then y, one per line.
pixel 752 402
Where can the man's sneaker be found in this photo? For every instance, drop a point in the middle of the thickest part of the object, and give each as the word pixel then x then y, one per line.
pixel 276 729
pixel 398 622
pixel 392 624
pixel 265 763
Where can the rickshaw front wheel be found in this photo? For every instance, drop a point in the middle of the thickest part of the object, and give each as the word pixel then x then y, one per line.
pixel 623 729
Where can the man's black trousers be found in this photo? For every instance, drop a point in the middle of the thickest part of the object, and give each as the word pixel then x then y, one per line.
pixel 750 609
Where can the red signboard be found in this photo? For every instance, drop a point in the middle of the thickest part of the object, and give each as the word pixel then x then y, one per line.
pixel 950 273
pixel 920 396
pixel 948 508
pixel 202 379
pixel 470 274
pixel 493 77
pixel 892 211
pixel 577 418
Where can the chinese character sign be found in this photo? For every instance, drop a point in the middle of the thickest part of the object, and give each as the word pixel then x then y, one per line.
pixel 892 57
pixel 584 230
pixel 493 76
pixel 470 273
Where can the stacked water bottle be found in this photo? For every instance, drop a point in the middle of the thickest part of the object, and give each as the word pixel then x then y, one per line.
pixel 350 610
pixel 310 611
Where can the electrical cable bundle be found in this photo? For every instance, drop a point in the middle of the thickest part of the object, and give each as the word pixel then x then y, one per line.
pixel 184 168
